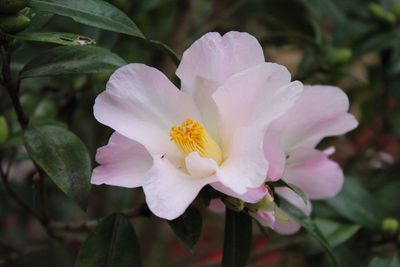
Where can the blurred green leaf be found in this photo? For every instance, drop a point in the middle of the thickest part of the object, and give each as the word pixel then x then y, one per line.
pixel 46 109
pixel 3 130
pixel 112 244
pixel 63 157
pixel 72 60
pixel 335 232
pixel 237 239
pixel 55 38
pixel 188 227
pixel 379 262
pixel 167 50
pixel 309 225
pixel 355 203
pixel 38 19
pixel 96 13
pixel 377 42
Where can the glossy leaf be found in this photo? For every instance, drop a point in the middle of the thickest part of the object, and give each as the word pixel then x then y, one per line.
pixel 309 225
pixel 96 13
pixel 336 233
pixel 72 60
pixel 112 244
pixel 63 157
pixel 188 227
pixel 355 203
pixel 55 38
pixel 237 239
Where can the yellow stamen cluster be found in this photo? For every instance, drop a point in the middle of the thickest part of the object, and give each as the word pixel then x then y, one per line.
pixel 191 136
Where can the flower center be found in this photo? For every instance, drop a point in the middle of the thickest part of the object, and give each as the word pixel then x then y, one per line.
pixel 191 136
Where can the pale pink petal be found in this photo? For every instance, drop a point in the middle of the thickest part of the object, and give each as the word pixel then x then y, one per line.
pixel 312 171
pixel 245 166
pixel 170 191
pixel 275 156
pixel 123 162
pixel 142 104
pixel 209 61
pixel 217 206
pixel 321 111
pixel 266 218
pixel 287 225
pixel 252 195
pixel 254 98
pixel 214 58
pixel 200 167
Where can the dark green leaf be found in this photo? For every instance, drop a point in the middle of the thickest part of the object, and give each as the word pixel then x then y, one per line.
pixel 237 239
pixel 309 225
pixel 379 262
pixel 188 227
pixel 63 157
pixel 72 60
pixel 112 244
pixel 335 232
pixel 167 50
pixel 355 203
pixel 55 38
pixel 96 13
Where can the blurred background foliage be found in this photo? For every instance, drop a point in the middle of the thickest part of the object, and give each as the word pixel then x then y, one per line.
pixel 354 44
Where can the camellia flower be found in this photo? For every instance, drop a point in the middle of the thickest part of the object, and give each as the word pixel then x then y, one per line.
pixel 174 142
pixel 289 147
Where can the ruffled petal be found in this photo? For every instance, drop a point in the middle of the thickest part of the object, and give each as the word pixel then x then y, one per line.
pixel 252 195
pixel 313 172
pixel 287 225
pixel 123 162
pixel 142 104
pixel 170 191
pixel 200 167
pixel 214 58
pixel 209 61
pixel 321 111
pixel 245 165
pixel 255 97
pixel 275 156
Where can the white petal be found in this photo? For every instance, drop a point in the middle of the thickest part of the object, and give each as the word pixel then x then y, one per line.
pixel 255 97
pixel 252 195
pixel 200 167
pixel 170 191
pixel 123 162
pixel 142 104
pixel 245 166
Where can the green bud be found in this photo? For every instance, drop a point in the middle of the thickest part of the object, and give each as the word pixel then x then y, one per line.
pixel 234 203
pixel 380 13
pixel 12 6
pixel 340 56
pixel 14 23
pixel 390 225
pixel 266 204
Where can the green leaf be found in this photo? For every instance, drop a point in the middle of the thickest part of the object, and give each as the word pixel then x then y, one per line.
pixel 112 244
pixel 3 130
pixel 63 157
pixel 72 60
pixel 96 13
pixel 335 232
pixel 309 225
pixel 379 262
pixel 55 38
pixel 355 203
pixel 237 239
pixel 188 227
pixel 167 50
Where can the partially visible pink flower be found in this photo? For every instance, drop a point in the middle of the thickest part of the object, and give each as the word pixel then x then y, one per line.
pixel 173 143
pixel 289 147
